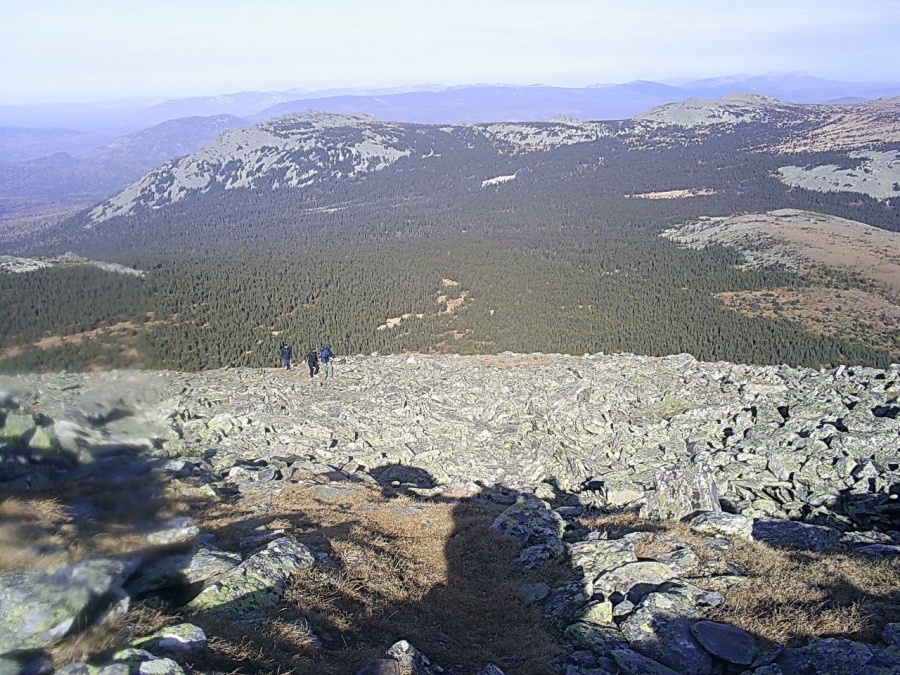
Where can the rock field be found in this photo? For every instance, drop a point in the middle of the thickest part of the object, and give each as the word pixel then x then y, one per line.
pixel 792 457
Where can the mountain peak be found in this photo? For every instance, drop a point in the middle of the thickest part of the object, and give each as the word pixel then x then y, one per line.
pixel 730 109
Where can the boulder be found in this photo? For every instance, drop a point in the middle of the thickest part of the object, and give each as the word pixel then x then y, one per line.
pixel 831 655
pixel 719 522
pixel 595 558
pixel 660 628
pixel 790 534
pixel 182 640
pixel 254 588
pixel 680 491
pixel 39 606
pixel 728 643
pixel 531 521
pixel 182 569
pixel 633 580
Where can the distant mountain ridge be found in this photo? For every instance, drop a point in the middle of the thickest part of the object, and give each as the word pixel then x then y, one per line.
pixel 474 103
pixel 100 159
pixel 298 150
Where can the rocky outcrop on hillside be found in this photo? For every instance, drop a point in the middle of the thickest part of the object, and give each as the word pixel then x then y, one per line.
pixel 792 457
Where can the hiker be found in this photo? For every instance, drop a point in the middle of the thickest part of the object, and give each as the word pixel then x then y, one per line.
pixel 327 357
pixel 312 360
pixel 286 354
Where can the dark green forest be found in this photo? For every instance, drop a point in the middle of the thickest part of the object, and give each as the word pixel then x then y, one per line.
pixel 560 260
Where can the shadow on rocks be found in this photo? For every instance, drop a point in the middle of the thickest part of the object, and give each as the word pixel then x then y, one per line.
pixel 85 500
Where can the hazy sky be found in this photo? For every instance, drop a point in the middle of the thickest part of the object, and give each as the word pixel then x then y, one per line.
pixel 90 50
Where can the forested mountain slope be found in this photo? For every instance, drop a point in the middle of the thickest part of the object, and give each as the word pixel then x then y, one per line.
pixel 476 238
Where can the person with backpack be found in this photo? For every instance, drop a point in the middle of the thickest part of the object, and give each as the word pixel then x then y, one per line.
pixel 286 354
pixel 327 357
pixel 312 360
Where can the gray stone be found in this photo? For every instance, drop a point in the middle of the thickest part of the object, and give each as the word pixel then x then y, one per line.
pixel 490 669
pixel 660 628
pixel 533 557
pixel 719 522
pixel 646 576
pixel 891 634
pixel 565 602
pixel 182 569
pixel 531 521
pixel 831 655
pixel 39 606
pixel 680 491
pixel 681 559
pixel 176 532
pixel 599 613
pixel 17 428
pixel 600 640
pixel 790 534
pixel 594 558
pixel 183 639
pixel 633 663
pixel 729 643
pixel 254 588
pixel 532 593
pixel 411 660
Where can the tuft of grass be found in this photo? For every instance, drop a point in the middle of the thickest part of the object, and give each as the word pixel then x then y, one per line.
pixel 104 638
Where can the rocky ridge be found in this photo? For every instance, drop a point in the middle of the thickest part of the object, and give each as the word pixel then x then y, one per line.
pixel 300 150
pixel 795 457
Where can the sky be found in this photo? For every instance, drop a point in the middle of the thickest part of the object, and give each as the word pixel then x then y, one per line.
pixel 96 50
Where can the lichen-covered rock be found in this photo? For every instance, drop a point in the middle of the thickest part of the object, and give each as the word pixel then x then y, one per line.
pixel 531 521
pixel 128 661
pixel 17 428
pixel 254 587
pixel 719 522
pixel 595 558
pixel 599 613
pixel 39 606
pixel 642 576
pixel 599 639
pixel 182 569
pixel 632 663
pixel 411 660
pixel 532 593
pixel 660 628
pixel 175 532
pixel 565 602
pixel 682 490
pixel 182 639
pixel 533 557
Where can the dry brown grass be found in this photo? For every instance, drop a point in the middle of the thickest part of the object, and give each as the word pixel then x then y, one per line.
pixel 29 529
pixel 852 313
pixel 789 596
pixel 430 573
pixel 41 528
pixel 106 638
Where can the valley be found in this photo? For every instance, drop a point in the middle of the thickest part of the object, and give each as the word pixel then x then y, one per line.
pixel 320 227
